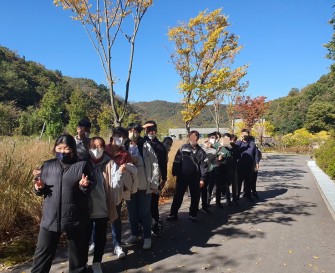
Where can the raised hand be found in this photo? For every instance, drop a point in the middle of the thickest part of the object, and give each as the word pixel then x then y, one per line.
pixel 84 182
pixel 122 168
pixel 38 183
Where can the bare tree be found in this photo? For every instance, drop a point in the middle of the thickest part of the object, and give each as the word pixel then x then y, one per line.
pixel 103 22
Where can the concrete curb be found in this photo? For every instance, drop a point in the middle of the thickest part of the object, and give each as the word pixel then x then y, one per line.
pixel 325 185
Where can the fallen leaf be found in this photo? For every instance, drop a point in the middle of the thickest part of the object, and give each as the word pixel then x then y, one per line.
pixel 290 251
pixel 315 257
pixel 285 264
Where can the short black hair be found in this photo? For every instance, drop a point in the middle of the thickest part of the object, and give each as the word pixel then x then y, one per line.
pixel 226 135
pixel 194 132
pixel 136 126
pixel 120 131
pixel 212 134
pixel 84 123
pixel 153 127
pixel 245 130
pixel 168 139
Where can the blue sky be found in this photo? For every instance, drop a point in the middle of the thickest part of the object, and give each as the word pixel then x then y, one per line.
pixel 282 39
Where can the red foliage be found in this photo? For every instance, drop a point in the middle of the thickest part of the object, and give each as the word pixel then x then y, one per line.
pixel 251 110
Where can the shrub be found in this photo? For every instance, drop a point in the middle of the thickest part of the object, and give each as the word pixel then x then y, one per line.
pixel 325 157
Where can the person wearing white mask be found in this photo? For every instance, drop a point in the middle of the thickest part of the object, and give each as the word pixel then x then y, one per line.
pixel 139 205
pixel 102 201
pixel 117 152
pixel 150 128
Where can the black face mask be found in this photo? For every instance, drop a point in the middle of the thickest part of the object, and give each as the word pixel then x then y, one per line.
pixel 64 157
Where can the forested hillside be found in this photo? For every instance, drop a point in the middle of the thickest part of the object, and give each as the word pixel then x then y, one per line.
pixel 312 107
pixel 30 95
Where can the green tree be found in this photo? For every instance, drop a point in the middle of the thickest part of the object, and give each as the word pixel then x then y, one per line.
pixel 105 119
pixel 203 56
pixel 320 116
pixel 9 115
pixel 29 122
pixel 78 108
pixel 331 44
pixel 52 107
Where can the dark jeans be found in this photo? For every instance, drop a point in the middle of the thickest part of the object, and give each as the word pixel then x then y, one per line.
pixel 154 207
pixel 211 180
pixel 253 181
pixel 116 227
pixel 100 231
pixel 139 212
pixel 220 177
pixel 192 181
pixel 77 240
pixel 244 174
pixel 204 194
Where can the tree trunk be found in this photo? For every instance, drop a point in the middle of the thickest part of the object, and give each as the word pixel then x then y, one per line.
pixel 188 126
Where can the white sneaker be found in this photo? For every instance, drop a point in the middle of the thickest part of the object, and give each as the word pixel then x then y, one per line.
pixel 91 249
pixel 96 268
pixel 147 243
pixel 131 240
pixel 119 252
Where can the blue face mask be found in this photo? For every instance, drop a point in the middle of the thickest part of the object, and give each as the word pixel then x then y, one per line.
pixel 64 157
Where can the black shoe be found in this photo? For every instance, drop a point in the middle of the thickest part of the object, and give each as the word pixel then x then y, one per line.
pixel 205 210
pixel 192 218
pixel 254 194
pixel 248 197
pixel 155 230
pixel 172 217
pixel 229 202
pixel 219 205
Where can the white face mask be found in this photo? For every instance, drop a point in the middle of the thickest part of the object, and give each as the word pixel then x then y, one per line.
pixel 96 153
pixel 151 136
pixel 212 141
pixel 118 141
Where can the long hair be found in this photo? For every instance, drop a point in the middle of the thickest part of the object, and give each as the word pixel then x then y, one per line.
pixel 69 141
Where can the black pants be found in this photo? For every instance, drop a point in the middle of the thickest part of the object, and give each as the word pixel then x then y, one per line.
pixel 100 231
pixel 154 207
pixel 211 178
pixel 253 181
pixel 192 181
pixel 77 240
pixel 204 194
pixel 244 174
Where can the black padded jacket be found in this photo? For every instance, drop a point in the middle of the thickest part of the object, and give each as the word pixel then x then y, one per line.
pixel 65 202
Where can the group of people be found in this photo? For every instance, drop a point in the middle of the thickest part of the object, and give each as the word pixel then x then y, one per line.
pixel 221 162
pixel 84 188
pixel 86 183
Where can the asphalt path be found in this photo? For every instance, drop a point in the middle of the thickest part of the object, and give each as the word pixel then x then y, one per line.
pixel 290 228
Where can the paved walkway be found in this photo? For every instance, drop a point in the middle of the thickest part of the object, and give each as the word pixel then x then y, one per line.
pixel 288 229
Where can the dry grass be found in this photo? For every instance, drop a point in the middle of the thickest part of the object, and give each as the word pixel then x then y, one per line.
pixel 20 208
pixel 171 180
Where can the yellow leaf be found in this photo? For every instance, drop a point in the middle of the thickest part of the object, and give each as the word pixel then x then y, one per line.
pixel 290 251
pixel 315 257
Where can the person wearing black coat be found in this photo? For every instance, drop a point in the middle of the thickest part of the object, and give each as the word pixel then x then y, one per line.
pixel 64 182
pixel 190 168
